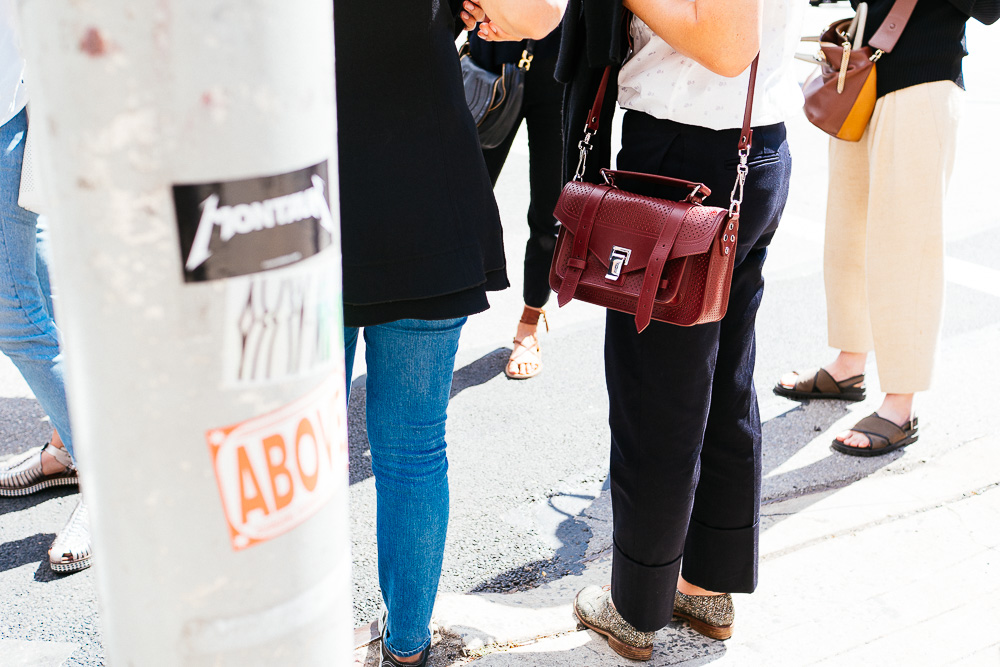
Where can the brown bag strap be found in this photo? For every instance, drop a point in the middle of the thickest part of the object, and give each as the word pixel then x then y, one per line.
pixel 746 133
pixel 581 243
pixel 888 33
pixel 654 269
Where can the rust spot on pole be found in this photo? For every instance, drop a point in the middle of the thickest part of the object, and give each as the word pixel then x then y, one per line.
pixel 93 44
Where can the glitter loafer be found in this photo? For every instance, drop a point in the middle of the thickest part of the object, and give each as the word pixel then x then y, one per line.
pixel 594 609
pixel 70 551
pixel 23 474
pixel 711 615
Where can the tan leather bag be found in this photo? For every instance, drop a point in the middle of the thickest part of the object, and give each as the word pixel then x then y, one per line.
pixel 840 96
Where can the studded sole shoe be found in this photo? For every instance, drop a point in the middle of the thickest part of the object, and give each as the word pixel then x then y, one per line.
pixel 711 615
pixel 70 552
pixel 23 474
pixel 594 609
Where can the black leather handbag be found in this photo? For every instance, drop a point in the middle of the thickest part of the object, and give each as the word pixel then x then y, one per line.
pixel 495 99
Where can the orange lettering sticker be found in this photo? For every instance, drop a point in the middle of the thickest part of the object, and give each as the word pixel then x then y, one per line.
pixel 277 470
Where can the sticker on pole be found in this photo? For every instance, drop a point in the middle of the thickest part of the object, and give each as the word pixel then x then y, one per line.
pixel 281 325
pixel 277 470
pixel 234 228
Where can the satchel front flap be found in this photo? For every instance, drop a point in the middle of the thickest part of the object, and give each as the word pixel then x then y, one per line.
pixel 480 87
pixel 633 222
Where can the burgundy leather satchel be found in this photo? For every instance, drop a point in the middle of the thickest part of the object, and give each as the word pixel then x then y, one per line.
pixel 658 259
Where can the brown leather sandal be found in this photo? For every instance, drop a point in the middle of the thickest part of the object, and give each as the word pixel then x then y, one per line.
pixel 883 436
pixel 822 385
pixel 531 354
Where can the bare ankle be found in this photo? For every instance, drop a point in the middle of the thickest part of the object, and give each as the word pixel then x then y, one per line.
pixel 687 588
pixel 847 365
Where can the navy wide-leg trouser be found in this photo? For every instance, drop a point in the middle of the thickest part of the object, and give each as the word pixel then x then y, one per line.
pixel 685 428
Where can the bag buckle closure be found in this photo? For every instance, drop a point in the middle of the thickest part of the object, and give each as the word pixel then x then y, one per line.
pixel 619 258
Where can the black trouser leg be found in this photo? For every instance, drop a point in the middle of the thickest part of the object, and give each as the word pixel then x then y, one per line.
pixel 659 386
pixel 685 429
pixel 544 116
pixel 542 110
pixel 720 552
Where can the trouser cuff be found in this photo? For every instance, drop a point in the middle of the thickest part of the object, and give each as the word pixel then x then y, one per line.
pixel 719 560
pixel 643 594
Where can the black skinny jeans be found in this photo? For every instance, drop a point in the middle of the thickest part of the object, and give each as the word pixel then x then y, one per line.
pixel 685 428
pixel 542 109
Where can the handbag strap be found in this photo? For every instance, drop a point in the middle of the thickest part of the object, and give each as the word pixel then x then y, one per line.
pixel 743 147
pixel 577 261
pixel 654 269
pixel 888 33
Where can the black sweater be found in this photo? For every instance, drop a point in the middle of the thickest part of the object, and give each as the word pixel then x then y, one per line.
pixel 932 44
pixel 421 234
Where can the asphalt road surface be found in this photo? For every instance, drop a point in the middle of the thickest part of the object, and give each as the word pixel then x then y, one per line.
pixel 527 458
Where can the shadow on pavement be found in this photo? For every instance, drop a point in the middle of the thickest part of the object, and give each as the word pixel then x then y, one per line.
pixel 574 534
pixel 28 550
pixel 18 503
pixel 22 425
pixel 479 372
pixel 784 437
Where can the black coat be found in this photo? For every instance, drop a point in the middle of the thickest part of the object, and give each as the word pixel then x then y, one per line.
pixel 421 233
pixel 593 38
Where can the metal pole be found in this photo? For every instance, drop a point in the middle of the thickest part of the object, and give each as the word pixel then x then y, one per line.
pixel 188 153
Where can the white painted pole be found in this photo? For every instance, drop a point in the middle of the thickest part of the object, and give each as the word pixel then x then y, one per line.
pixel 188 150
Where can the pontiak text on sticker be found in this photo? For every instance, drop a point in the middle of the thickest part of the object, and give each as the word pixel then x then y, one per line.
pixel 233 228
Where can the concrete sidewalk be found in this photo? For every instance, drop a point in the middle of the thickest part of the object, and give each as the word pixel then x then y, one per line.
pixel 893 569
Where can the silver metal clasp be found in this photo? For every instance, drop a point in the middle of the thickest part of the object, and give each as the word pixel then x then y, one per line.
pixel 584 145
pixel 619 258
pixel 742 169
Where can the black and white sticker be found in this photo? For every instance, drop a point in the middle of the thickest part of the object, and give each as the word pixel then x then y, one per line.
pixel 281 325
pixel 239 227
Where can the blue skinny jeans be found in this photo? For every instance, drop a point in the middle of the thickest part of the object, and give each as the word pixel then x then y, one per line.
pixel 410 366
pixel 28 334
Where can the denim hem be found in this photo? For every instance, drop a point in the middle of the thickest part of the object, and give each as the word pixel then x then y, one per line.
pixel 406 654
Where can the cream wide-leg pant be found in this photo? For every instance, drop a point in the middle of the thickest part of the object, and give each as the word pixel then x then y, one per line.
pixel 884 252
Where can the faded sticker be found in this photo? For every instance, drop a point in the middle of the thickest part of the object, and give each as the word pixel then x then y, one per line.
pixel 280 325
pixel 233 228
pixel 277 470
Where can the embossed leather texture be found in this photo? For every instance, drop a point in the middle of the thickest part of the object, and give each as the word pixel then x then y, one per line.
pixel 690 285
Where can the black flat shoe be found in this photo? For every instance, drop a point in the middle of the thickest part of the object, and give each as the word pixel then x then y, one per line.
pixel 387 659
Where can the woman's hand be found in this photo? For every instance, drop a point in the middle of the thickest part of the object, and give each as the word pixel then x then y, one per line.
pixel 471 14
pixel 492 32
pixel 520 19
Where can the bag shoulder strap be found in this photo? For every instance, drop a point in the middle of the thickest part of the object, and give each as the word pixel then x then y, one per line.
pixel 743 147
pixel 888 33
pixel 746 134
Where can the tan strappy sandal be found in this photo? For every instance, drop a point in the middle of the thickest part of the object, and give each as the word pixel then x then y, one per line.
pixel 527 353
